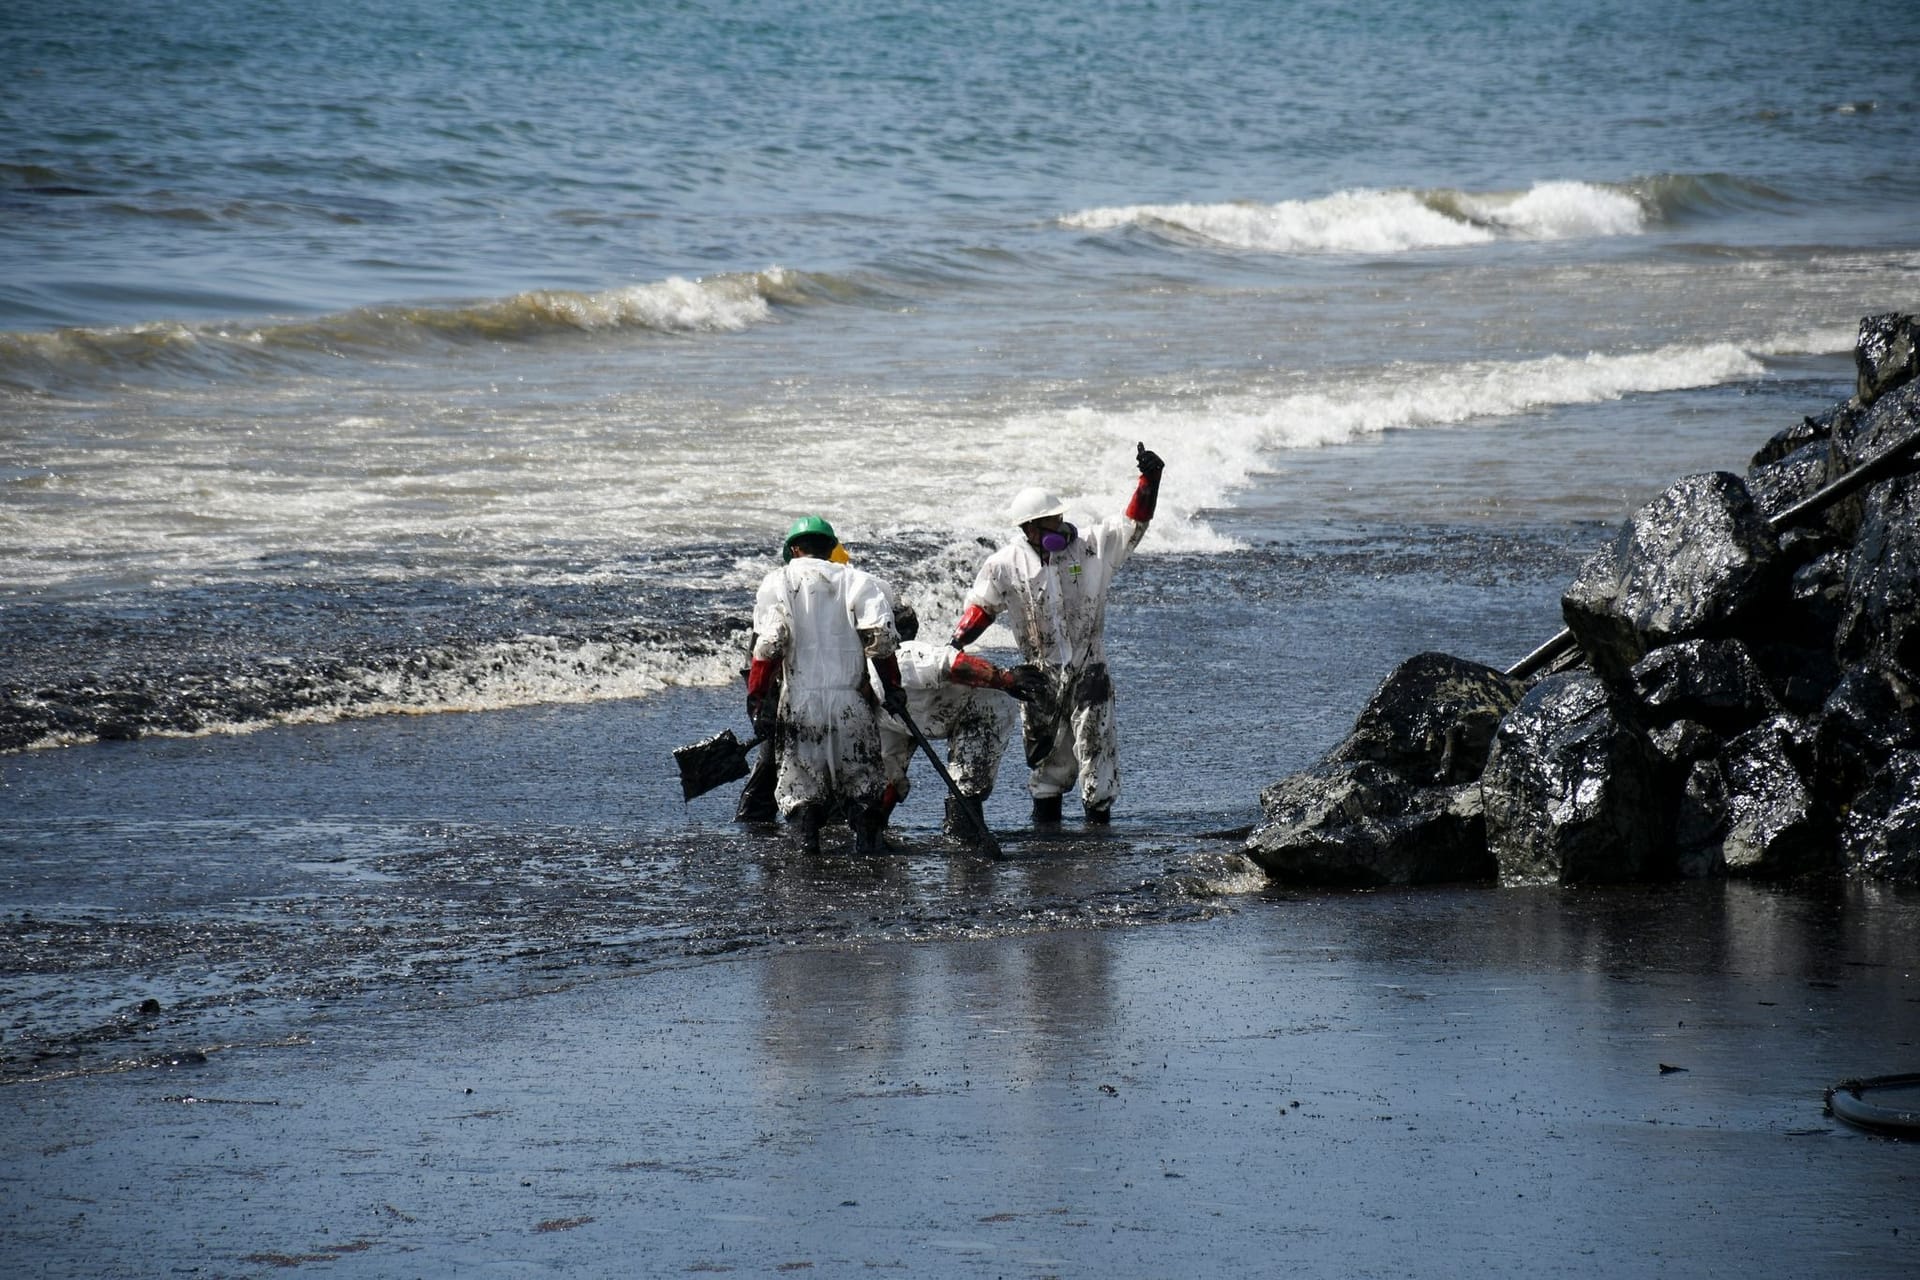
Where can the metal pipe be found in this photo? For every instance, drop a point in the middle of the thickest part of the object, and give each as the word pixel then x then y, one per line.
pixel 1873 469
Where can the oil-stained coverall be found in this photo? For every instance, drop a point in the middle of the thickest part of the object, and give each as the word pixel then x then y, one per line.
pixel 1054 599
pixel 820 622
pixel 956 697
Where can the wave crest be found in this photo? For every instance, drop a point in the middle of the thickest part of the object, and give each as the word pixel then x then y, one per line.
pixel 1226 442
pixel 1548 211
pixel 1346 222
pixel 1375 221
pixel 42 363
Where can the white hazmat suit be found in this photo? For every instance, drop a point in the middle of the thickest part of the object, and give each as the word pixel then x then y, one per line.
pixel 821 621
pixel 976 723
pixel 1049 587
pixel 1056 608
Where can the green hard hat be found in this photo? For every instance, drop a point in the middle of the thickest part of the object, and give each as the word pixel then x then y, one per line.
pixel 801 528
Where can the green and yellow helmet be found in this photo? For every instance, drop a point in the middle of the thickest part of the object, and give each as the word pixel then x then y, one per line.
pixel 813 527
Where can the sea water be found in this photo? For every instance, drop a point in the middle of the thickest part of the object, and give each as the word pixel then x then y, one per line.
pixel 583 303
pixel 369 358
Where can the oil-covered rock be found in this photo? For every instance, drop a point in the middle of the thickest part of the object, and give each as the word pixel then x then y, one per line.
pixel 1570 789
pixel 1887 355
pixel 1432 721
pixel 1397 802
pixel 1741 695
pixel 1695 563
pixel 1358 824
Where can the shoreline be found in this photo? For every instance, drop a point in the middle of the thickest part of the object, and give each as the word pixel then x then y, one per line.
pixel 1103 1087
pixel 1341 1084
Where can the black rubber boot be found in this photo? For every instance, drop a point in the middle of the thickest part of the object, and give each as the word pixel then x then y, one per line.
pixel 1046 811
pixel 807 821
pixel 868 821
pixel 1099 815
pixel 957 823
pixel 756 798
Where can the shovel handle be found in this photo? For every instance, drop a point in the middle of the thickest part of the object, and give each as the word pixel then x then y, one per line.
pixel 986 838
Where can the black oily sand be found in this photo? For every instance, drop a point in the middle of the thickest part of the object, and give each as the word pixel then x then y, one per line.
pixel 429 994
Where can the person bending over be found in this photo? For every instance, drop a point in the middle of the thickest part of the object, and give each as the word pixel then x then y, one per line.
pixel 952 696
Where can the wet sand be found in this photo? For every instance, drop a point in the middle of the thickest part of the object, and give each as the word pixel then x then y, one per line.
pixel 1457 1082
pixel 479 995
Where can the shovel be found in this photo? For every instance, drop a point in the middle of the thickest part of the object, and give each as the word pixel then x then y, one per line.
pixel 706 765
pixel 983 838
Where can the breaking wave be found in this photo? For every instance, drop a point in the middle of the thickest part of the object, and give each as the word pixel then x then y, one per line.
pixel 1225 442
pixel 1374 221
pixel 515 672
pixel 77 357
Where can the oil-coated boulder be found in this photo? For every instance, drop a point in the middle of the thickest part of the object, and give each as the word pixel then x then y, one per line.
pixel 1686 760
pixel 1716 682
pixel 1678 743
pixel 1357 824
pixel 1863 436
pixel 1432 720
pixel 1812 429
pixel 1819 592
pixel 1873 712
pixel 1570 792
pixel 1880 835
pixel 1772 828
pixel 1801 675
pixel 1886 355
pixel 1700 822
pixel 1881 610
pixel 1779 483
pixel 1694 563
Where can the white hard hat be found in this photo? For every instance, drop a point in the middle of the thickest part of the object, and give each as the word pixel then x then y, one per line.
pixel 1035 504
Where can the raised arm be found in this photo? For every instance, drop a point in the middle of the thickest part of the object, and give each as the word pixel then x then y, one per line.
pixel 1146 492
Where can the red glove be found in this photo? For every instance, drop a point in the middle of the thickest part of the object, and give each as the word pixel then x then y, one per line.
pixel 972 622
pixel 763 691
pixel 978 673
pixel 1146 493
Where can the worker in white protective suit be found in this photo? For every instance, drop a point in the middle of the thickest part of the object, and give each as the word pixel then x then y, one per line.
pixel 1049 586
pixel 955 697
pixel 816 624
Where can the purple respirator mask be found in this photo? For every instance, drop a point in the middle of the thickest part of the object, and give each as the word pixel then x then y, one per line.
pixel 1056 540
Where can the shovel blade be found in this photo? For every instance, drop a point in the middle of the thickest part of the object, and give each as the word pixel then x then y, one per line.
pixel 981 834
pixel 705 765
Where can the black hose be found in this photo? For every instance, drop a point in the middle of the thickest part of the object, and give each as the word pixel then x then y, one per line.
pixel 1845 1101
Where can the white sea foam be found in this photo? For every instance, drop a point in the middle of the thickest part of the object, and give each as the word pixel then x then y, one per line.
pixel 1218 446
pixel 532 670
pixel 185 509
pixel 723 304
pixel 1383 222
pixel 1347 222
pixel 1559 211
pixel 521 672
